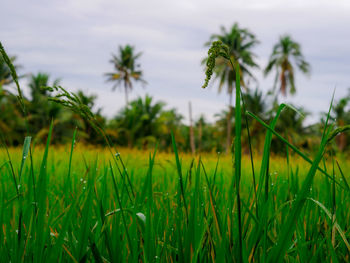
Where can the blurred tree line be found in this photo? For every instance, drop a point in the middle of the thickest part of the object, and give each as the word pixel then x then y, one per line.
pixel 144 122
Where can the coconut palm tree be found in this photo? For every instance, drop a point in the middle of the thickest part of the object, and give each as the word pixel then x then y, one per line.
pixel 286 56
pixel 41 111
pixel 127 70
pixel 88 130
pixel 138 122
pixel 291 125
pixel 36 84
pixel 256 102
pixel 88 100
pixel 240 42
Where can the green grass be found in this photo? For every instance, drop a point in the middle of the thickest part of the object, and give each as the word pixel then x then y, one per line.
pixel 77 204
pixel 101 220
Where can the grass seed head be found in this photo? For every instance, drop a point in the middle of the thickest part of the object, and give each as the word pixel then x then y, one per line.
pixel 216 50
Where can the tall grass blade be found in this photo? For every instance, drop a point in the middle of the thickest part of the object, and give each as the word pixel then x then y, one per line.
pixel 331 216
pixel 149 231
pixel 14 76
pixel 121 208
pixel 295 149
pixel 179 171
pixel 238 157
pixel 25 152
pixel 284 237
pixel 69 180
pixel 180 205
pixel 42 197
pixel 343 176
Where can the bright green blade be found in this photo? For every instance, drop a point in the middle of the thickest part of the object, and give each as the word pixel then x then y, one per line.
pixel 25 152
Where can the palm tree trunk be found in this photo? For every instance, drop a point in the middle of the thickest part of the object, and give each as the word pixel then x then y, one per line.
pixel 193 147
pixel 283 83
pixel 126 96
pixel 229 126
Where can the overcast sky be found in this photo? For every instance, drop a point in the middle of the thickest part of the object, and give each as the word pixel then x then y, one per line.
pixel 73 40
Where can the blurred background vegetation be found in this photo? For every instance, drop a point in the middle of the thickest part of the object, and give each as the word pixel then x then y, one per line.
pixel 143 122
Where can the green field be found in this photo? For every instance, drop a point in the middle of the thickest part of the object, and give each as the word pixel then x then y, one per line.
pixel 156 210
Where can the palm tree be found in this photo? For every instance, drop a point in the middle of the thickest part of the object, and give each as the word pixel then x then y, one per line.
pixel 138 122
pixel 240 42
pixel 36 84
pixel 291 124
pixel 88 100
pixel 87 130
pixel 284 54
pixel 41 111
pixel 5 73
pixel 126 69
pixel 255 102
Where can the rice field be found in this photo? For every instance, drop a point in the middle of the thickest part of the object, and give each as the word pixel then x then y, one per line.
pixel 84 204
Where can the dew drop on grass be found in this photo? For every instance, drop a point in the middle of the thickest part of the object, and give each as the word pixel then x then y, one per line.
pixel 141 216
